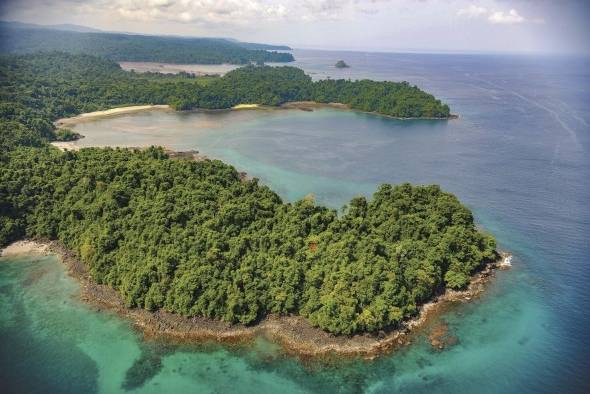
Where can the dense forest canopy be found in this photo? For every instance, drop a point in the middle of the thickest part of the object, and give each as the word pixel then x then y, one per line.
pixel 193 237
pixel 137 48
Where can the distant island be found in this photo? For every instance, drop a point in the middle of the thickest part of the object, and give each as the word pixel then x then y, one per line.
pixel 341 64
pixel 28 38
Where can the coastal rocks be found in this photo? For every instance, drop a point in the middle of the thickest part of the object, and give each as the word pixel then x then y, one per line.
pixel 440 338
pixel 189 154
pixel 506 262
pixel 311 105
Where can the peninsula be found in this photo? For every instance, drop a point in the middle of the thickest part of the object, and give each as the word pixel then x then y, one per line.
pixel 194 239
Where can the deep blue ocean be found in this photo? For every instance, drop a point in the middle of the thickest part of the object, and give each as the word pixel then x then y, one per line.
pixel 517 156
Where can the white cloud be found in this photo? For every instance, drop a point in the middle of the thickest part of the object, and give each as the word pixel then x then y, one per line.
pixel 509 18
pixel 206 11
pixel 472 11
pixel 236 12
pixel 495 17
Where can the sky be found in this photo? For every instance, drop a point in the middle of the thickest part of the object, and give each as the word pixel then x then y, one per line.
pixel 522 26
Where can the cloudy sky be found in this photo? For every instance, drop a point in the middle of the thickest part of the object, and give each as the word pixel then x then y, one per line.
pixel 554 26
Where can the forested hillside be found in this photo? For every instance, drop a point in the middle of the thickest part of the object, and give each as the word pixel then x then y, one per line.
pixel 192 237
pixel 137 48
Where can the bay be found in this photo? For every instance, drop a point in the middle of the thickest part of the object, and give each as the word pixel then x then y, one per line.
pixel 517 156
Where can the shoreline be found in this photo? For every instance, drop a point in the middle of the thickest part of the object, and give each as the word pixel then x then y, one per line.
pixel 25 247
pixel 293 333
pixel 309 106
pixel 64 122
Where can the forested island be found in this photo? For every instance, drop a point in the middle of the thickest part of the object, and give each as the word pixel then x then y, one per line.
pixel 341 64
pixel 193 237
pixel 20 38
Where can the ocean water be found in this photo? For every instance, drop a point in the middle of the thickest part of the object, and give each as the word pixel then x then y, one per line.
pixel 517 156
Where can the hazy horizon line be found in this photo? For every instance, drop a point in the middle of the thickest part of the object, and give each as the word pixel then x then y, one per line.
pixel 424 51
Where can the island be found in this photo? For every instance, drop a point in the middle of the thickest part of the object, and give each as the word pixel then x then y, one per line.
pixel 341 64
pixel 196 241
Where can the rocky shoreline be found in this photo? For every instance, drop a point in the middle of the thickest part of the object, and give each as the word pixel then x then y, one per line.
pixel 294 333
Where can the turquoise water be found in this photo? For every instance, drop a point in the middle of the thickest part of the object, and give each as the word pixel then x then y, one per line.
pixel 58 344
pixel 517 156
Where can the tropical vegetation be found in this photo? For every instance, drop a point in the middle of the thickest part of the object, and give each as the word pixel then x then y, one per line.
pixel 193 237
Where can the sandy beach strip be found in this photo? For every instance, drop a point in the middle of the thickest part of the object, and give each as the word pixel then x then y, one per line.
pixel 25 247
pixel 65 145
pixel 246 106
pixel 109 112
